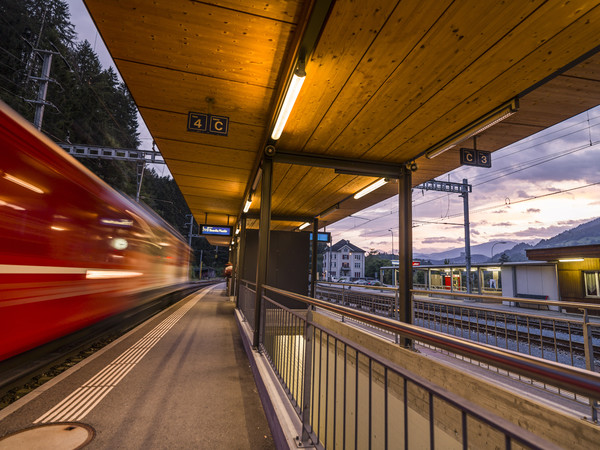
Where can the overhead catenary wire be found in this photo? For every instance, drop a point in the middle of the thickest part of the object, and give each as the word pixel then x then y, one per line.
pixel 513 169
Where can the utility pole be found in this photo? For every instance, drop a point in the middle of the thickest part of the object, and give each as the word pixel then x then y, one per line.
pixel 44 79
pixel 465 196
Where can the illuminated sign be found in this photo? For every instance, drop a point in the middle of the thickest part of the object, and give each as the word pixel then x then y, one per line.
pixel 216 230
pixel 208 124
pixel 416 263
pixel 322 237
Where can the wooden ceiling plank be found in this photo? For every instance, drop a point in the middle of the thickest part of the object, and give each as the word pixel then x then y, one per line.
pixel 197 153
pixel 181 92
pixel 443 51
pixel 174 126
pixel 213 172
pixel 520 76
pixel 350 30
pixel 284 11
pixel 195 37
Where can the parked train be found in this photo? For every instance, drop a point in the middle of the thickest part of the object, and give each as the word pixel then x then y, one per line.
pixel 73 251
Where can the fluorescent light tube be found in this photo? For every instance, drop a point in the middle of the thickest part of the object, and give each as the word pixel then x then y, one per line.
pixel 290 98
pixel 304 225
pixel 247 206
pixel 370 188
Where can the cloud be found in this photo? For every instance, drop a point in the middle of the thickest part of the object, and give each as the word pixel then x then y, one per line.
pixel 500 211
pixel 533 210
pixel 475 232
pixel 522 194
pixel 502 224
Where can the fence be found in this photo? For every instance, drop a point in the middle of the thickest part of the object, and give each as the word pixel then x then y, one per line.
pixel 347 396
pixel 567 340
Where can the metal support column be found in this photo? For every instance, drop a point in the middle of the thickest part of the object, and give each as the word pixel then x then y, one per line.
pixel 141 166
pixel 405 249
pixel 313 265
pixel 263 244
pixel 241 259
pixel 43 90
pixel 465 196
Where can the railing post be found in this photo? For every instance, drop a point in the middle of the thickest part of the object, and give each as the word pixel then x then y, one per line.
pixel 309 331
pixel 588 348
pixel 343 301
pixel 397 310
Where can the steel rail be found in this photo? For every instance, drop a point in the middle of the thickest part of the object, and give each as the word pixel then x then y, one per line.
pixel 570 378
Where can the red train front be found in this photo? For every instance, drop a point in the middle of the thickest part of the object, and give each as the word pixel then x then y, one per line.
pixel 73 250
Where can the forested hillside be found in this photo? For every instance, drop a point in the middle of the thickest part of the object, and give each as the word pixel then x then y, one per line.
pixel 86 103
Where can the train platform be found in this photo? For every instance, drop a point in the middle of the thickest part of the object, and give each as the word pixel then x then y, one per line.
pixel 180 380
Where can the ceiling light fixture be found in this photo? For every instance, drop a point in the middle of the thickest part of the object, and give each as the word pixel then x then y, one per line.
pixel 303 226
pixel 571 260
pixel 290 98
pixel 370 188
pixel 474 128
pixel 329 210
pixel 248 203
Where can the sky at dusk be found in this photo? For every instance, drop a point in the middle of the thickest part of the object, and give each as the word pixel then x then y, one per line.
pixel 536 188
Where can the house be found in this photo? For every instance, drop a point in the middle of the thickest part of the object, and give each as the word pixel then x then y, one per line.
pixel 344 259
pixel 578 270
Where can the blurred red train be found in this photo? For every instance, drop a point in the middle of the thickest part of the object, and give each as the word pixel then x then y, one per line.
pixel 73 251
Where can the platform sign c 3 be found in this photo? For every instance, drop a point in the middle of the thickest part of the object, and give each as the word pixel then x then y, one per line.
pixel 472 157
pixel 208 124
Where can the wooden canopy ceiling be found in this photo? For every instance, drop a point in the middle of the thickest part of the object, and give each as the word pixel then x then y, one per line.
pixel 386 80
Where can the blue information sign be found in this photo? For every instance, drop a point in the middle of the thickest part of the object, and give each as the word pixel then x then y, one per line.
pixel 208 124
pixel 322 237
pixel 216 230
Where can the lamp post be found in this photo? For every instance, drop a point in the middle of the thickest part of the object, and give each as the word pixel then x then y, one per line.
pixel 390 230
pixel 496 243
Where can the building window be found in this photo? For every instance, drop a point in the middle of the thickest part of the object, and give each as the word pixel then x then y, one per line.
pixel 357 265
pixel 357 274
pixel 357 257
pixel 334 256
pixel 592 284
pixel 334 264
pixel 346 265
pixel 333 274
pixel 345 256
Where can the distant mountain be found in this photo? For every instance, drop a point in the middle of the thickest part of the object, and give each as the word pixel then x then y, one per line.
pixel 585 234
pixel 484 250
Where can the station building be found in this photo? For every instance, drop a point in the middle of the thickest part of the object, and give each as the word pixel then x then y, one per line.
pixel 569 274
pixel 344 259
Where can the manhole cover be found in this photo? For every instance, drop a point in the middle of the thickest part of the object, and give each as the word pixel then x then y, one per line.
pixel 54 436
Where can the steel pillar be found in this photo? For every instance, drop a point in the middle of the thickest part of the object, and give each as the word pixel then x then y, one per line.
pixel 465 196
pixel 313 265
pixel 405 250
pixel 42 91
pixel 241 259
pixel 263 245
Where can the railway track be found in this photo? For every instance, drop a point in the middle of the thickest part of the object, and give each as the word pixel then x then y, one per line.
pixel 544 337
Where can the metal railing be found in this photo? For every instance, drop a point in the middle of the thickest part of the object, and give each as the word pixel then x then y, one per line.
pixel 247 300
pixel 567 340
pixel 347 396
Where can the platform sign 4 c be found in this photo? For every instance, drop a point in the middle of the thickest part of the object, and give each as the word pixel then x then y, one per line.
pixel 472 157
pixel 208 124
